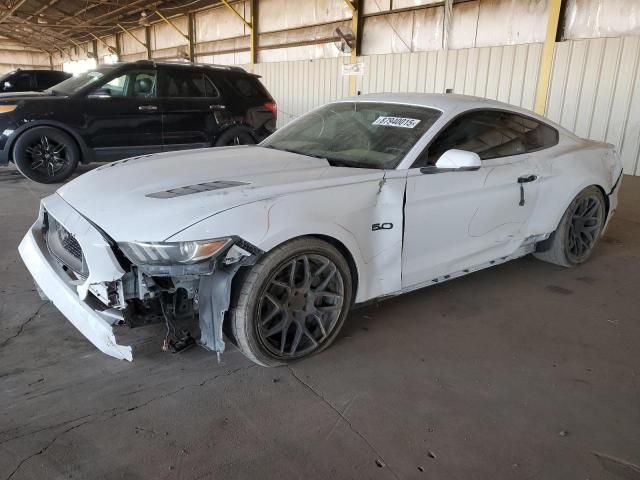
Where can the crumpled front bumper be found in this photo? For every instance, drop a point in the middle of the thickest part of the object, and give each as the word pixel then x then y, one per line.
pixel 94 320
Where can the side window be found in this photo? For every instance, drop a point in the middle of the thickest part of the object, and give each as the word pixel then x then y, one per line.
pixel 188 84
pixel 138 84
pixel 47 79
pixel 493 134
pixel 246 86
pixel 22 81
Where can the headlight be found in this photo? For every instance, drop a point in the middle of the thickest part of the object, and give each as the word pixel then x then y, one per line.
pixel 7 108
pixel 167 253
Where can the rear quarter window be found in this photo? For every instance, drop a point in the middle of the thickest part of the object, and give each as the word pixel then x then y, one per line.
pixel 248 87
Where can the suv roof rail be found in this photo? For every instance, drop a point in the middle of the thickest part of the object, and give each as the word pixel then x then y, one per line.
pixel 191 64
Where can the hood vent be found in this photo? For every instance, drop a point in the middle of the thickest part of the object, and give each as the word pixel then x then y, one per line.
pixel 198 188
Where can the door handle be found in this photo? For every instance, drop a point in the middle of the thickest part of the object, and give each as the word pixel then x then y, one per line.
pixel 521 181
pixel 217 107
pixel 527 178
pixel 148 108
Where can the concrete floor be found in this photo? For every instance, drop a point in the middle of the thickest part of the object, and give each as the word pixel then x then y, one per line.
pixel 522 371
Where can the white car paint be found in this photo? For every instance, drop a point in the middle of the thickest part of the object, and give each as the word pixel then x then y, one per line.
pixel 454 222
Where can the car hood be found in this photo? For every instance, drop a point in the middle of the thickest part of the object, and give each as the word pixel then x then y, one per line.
pixel 153 197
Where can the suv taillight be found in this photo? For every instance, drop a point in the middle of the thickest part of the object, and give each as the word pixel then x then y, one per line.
pixel 272 107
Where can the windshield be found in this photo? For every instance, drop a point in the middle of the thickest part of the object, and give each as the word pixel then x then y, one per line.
pixel 356 134
pixel 77 83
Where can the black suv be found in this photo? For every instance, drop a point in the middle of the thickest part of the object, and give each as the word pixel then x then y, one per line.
pixel 31 80
pixel 129 109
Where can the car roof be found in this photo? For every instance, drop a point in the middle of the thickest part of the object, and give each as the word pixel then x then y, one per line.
pixel 37 70
pixel 449 103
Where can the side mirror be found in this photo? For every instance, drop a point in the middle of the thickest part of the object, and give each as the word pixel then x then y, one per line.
pixel 6 86
pixel 458 160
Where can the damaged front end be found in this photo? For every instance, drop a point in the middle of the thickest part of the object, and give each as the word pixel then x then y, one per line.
pixel 105 288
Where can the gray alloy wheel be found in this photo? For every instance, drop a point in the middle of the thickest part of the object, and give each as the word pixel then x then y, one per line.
pixel 300 306
pixel 579 230
pixel 46 155
pixel 292 303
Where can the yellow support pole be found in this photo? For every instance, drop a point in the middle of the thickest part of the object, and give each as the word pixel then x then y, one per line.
pixel 544 76
pixel 228 5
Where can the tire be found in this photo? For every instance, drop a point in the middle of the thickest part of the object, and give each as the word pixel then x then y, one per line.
pixel 579 230
pixel 276 320
pixel 235 136
pixel 46 155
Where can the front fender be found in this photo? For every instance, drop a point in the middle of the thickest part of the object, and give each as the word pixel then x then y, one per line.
pixel 345 214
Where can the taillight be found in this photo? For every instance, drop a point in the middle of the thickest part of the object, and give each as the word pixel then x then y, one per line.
pixel 272 107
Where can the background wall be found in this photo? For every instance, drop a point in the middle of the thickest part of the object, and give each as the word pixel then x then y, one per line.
pixel 489 48
pixel 14 55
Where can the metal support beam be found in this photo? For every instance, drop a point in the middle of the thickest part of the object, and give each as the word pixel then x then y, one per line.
pixel 175 27
pixel 253 38
pixel 109 47
pixel 191 33
pixel 546 61
pixel 147 39
pixel 130 33
pixel 448 14
pixel 356 28
pixel 11 10
pixel 118 45
pixel 228 5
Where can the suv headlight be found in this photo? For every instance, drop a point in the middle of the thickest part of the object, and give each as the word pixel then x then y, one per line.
pixel 168 253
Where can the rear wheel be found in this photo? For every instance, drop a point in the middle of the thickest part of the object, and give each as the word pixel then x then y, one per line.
pixel 235 136
pixel 46 155
pixel 579 230
pixel 292 303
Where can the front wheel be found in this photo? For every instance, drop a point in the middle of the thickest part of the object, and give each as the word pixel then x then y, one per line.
pixel 46 155
pixel 292 303
pixel 579 231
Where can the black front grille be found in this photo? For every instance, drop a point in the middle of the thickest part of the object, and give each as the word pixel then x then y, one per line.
pixel 69 242
pixel 64 246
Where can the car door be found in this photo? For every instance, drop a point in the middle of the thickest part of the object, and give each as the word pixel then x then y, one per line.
pixel 191 105
pixel 461 220
pixel 122 116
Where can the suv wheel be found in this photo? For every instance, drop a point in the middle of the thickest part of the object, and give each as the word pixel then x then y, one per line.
pixel 46 155
pixel 292 303
pixel 235 136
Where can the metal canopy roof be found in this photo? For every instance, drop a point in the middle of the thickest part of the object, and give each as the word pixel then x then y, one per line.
pixel 52 24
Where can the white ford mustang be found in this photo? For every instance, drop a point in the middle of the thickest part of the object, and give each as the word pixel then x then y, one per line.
pixel 356 200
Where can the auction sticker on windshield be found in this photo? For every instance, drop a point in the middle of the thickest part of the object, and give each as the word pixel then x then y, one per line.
pixel 397 122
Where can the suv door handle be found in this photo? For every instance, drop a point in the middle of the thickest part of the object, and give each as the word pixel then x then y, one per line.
pixel 217 107
pixel 148 108
pixel 527 178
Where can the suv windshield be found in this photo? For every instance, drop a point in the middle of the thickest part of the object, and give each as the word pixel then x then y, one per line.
pixel 77 83
pixel 356 134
